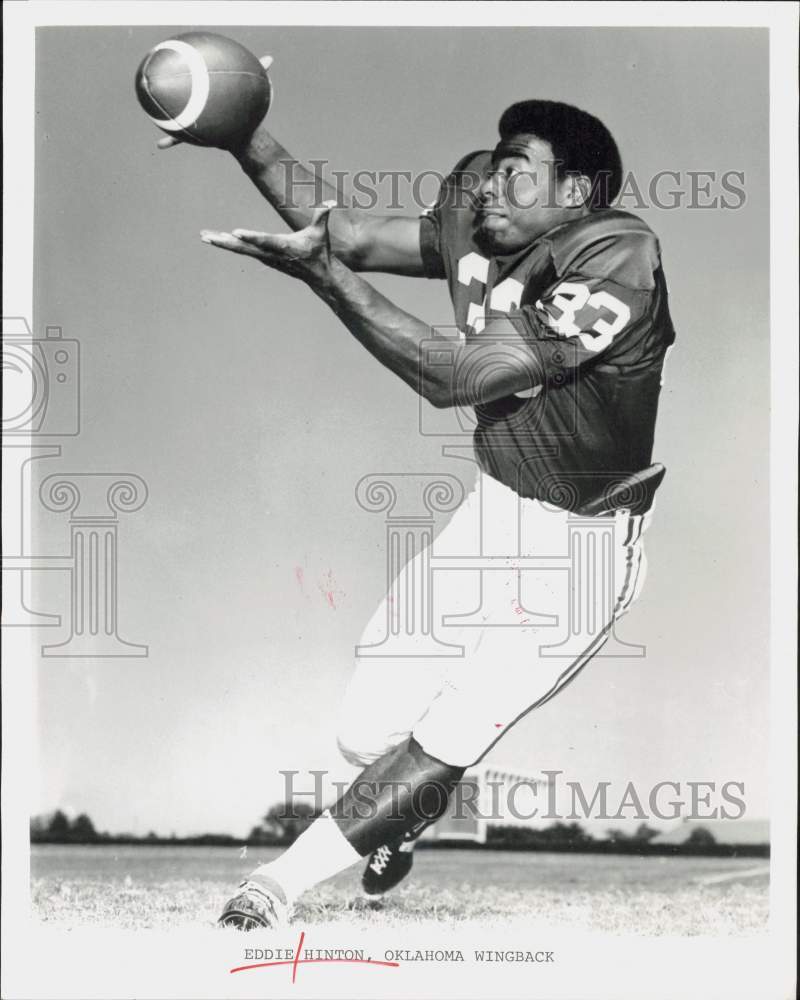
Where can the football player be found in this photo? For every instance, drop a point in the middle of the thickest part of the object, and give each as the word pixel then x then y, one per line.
pixel 562 308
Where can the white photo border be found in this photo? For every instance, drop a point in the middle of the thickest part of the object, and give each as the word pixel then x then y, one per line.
pixel 26 947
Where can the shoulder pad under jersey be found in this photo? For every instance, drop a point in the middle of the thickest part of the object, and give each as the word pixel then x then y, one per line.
pixel 473 163
pixel 607 244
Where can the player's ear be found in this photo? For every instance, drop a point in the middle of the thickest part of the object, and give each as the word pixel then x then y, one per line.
pixel 579 191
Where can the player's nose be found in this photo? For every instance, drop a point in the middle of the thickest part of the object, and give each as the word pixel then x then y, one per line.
pixel 491 190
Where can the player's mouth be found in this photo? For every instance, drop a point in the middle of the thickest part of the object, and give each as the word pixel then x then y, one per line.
pixel 492 219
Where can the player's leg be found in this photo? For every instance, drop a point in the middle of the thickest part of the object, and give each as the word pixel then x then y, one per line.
pixel 369 730
pixel 387 696
pixel 502 677
pixel 489 517
pixel 384 699
pixel 513 670
pixel 481 700
pixel 408 787
pixel 383 702
pixel 402 791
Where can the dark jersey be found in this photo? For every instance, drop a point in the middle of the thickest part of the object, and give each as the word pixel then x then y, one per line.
pixel 590 300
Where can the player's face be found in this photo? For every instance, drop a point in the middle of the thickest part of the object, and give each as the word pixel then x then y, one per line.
pixel 522 198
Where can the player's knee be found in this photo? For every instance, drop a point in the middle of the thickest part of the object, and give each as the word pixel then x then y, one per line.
pixel 443 756
pixel 456 746
pixel 354 754
pixel 359 746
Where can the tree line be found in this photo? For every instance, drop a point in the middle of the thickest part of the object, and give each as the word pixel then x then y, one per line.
pixel 284 822
pixel 58 828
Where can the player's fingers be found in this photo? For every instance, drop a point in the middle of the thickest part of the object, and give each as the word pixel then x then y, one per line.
pixel 227 241
pixel 320 220
pixel 249 235
pixel 168 141
pixel 263 241
pixel 320 216
pixel 266 61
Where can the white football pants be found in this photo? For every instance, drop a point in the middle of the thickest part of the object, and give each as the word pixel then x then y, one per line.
pixel 537 590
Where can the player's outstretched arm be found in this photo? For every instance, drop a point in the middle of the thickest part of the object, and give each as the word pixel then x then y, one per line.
pixel 363 240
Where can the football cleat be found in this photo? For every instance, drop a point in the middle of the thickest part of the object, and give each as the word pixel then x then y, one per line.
pixel 260 902
pixel 387 866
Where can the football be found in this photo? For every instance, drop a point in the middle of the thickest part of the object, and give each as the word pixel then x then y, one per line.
pixel 203 88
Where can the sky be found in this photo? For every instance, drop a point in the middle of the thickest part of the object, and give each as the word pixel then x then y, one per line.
pixel 251 415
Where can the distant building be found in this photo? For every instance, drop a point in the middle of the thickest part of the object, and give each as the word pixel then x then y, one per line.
pixel 487 795
pixel 724 831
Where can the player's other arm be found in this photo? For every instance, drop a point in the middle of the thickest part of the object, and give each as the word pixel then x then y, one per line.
pixel 460 374
pixel 495 365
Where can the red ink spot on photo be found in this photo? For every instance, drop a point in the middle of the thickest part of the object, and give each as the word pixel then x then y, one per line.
pixel 329 590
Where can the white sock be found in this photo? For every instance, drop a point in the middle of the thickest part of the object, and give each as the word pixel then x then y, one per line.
pixel 319 852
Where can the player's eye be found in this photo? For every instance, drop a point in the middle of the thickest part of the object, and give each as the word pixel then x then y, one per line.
pixel 506 172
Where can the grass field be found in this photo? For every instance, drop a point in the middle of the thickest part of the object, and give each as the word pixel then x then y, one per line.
pixel 166 887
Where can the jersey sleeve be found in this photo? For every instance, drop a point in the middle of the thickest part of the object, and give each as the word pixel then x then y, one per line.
pixel 429 246
pixel 582 320
pixel 599 307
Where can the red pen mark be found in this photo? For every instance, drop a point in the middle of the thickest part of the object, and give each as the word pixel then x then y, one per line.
pixel 518 611
pixel 298 574
pixel 312 961
pixel 297 955
pixel 498 725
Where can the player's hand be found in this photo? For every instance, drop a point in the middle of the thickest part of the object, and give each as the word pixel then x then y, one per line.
pixel 305 254
pixel 170 140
